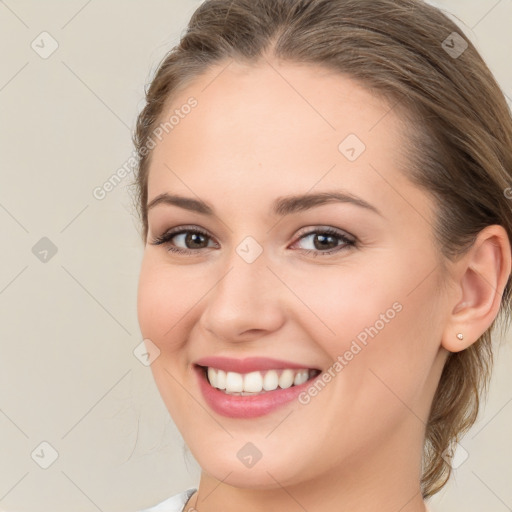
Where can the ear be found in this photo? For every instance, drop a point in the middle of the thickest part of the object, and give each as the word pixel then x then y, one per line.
pixel 481 278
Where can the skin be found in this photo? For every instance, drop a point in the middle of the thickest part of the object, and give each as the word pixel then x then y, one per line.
pixel 264 131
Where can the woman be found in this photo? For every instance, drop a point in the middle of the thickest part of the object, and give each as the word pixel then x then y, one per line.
pixel 324 193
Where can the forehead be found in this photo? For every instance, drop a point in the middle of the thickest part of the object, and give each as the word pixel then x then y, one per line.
pixel 261 106
pixel 292 127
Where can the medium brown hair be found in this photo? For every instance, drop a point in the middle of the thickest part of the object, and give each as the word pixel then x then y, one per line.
pixel 459 133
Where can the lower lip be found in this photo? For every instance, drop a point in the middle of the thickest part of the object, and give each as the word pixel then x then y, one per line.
pixel 251 406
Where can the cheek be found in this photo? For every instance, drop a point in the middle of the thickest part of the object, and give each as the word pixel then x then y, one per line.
pixel 150 300
pixel 165 300
pixel 401 345
pixel 161 309
pixel 340 303
pixel 375 324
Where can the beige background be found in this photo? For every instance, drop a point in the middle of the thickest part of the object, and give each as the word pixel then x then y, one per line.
pixel 68 374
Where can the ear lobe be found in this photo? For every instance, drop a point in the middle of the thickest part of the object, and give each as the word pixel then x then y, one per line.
pixel 483 274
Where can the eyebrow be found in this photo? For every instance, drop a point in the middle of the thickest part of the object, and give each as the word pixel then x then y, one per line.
pixel 282 205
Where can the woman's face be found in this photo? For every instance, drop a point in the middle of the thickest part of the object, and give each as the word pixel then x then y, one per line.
pixel 359 302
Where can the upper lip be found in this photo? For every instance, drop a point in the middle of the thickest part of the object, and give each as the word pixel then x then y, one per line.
pixel 249 364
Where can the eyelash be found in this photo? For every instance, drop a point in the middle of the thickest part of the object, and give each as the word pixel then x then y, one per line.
pixel 169 235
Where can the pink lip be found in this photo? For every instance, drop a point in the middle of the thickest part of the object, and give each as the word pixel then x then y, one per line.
pixel 251 406
pixel 249 364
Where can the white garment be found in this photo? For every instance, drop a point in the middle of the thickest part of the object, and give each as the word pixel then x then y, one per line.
pixel 175 503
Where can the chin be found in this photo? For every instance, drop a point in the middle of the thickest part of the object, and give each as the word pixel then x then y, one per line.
pixel 266 473
pixel 251 478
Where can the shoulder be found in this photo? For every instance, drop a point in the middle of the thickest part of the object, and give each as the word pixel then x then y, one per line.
pixel 173 504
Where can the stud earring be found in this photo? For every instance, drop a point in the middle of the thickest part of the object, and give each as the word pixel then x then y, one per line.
pixel 460 336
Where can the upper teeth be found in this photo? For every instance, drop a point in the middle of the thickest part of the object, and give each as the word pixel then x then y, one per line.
pixel 255 382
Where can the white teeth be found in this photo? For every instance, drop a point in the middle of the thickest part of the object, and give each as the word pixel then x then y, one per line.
pixel 221 379
pixel 256 382
pixel 253 382
pixel 234 382
pixel 286 379
pixel 270 381
pixel 301 377
pixel 212 377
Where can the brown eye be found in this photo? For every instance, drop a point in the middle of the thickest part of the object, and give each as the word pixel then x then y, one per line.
pixel 192 239
pixel 326 241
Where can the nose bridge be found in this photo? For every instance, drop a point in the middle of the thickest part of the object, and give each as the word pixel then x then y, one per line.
pixel 245 296
pixel 247 279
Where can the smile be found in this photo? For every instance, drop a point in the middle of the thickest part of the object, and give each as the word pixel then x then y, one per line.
pixel 251 387
pixel 257 382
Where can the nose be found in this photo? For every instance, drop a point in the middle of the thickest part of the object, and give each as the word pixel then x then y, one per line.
pixel 246 303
